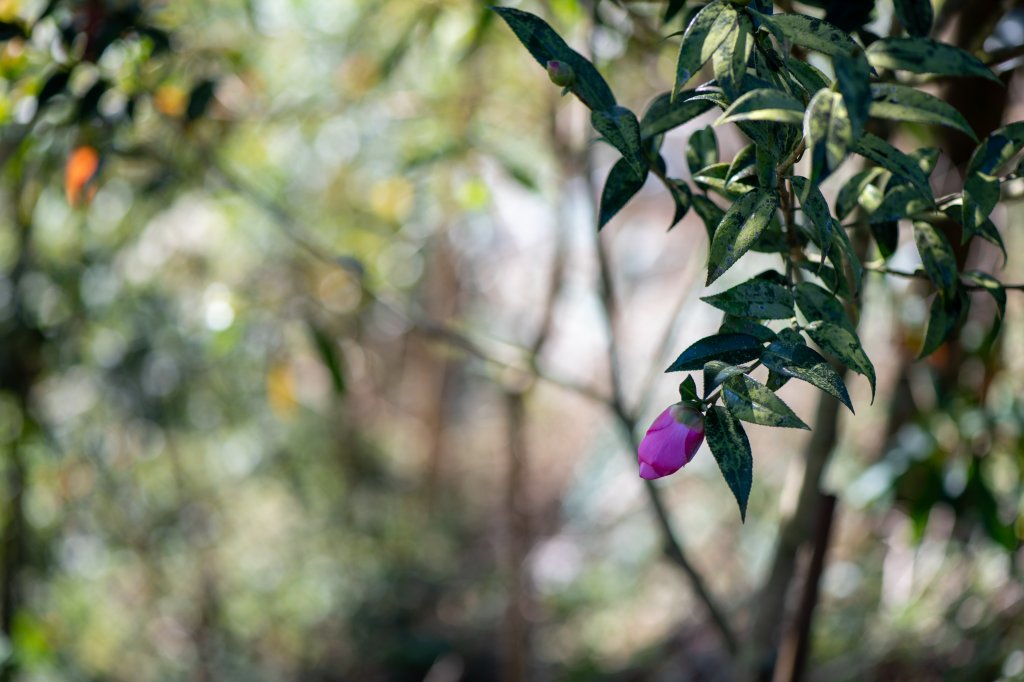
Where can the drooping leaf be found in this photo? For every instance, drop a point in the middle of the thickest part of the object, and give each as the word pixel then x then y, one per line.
pixel 924 55
pixel 708 30
pixel 884 154
pixel 618 125
pixel 546 45
pixel 731 449
pixel 701 149
pixel 886 235
pixel 852 74
pixel 740 227
pixel 810 78
pixel 981 187
pixel 817 304
pixel 731 348
pixel 937 256
pixel 943 316
pixel 682 197
pixel 754 402
pixel 828 132
pixel 801 362
pixel 843 345
pixel 816 209
pixel 764 104
pixel 743 165
pixel 896 102
pixel 915 15
pixel 996 290
pixel 757 298
pixel 622 184
pixel 903 201
pixel 329 355
pixel 664 113
pixel 710 213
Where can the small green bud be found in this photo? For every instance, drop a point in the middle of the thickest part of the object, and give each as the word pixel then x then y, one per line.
pixel 561 73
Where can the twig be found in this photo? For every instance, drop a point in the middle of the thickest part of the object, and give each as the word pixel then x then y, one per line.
pixel 921 274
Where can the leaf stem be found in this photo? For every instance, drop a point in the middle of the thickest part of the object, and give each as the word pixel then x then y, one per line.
pixel 882 269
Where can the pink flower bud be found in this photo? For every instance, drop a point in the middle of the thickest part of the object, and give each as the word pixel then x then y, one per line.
pixel 561 73
pixel 671 442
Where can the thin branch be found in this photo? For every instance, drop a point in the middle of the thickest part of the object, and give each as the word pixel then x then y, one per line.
pixel 921 274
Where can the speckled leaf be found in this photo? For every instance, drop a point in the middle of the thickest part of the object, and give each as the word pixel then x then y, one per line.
pixel 715 374
pixel 816 209
pixel 682 197
pixel 943 317
pixel 843 345
pixel 545 45
pixel 701 150
pixel 851 192
pixel 756 298
pixel 664 113
pixel 801 362
pixel 732 348
pixel 814 34
pixel 903 201
pixel 754 402
pixel 828 132
pixel 743 325
pixel 708 30
pixel 884 154
pixel 622 184
pixel 764 104
pixel 817 304
pixel 937 256
pixel 903 103
pixel 740 227
pixel 995 288
pixel 620 128
pixel 731 449
pixel 915 15
pixel 924 55
pixel 710 213
pixel 981 187
pixel 730 59
pixel 852 74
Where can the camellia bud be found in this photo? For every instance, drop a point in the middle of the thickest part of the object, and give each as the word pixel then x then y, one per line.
pixel 671 442
pixel 561 73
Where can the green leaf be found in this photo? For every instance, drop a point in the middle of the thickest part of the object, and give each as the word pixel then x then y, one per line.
pixel 545 45
pixel 942 321
pixel 743 325
pixel 850 194
pixel 903 201
pixel 981 188
pixel 703 36
pixel 710 213
pixel 843 345
pixel 995 289
pixel 715 374
pixel 753 402
pixel 916 16
pixel 664 113
pixel 897 102
pixel 730 60
pixel 981 194
pixel 817 304
pixel 938 257
pixel 800 362
pixel 887 236
pixel 828 131
pixel 716 178
pixel 701 150
pixel 328 351
pixel 814 34
pixel 731 449
pixel 816 209
pixel 740 227
pixel 732 348
pixel 924 55
pixel 852 74
pixel 742 165
pixel 620 128
pixel 683 199
pixel 756 298
pixel 884 154
pixel 809 78
pixel 688 391
pixel 622 184
pixel 764 104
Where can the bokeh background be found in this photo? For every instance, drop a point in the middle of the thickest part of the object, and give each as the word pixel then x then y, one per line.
pixel 314 367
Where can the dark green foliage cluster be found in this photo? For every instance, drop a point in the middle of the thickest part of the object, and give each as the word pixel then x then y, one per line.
pixel 790 110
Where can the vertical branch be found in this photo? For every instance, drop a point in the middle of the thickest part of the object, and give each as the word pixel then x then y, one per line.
pixel 515 636
pixel 797 645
